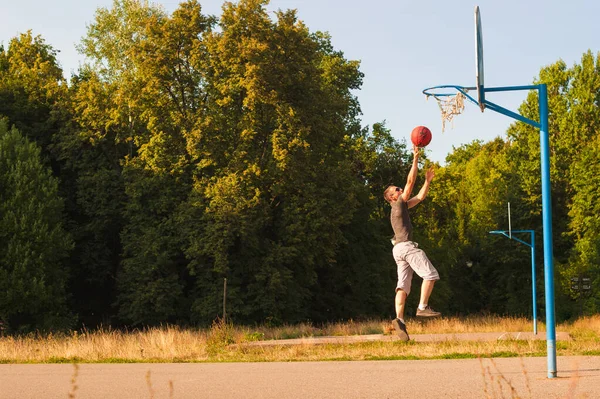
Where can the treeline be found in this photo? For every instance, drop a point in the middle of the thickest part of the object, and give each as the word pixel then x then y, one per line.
pixel 188 150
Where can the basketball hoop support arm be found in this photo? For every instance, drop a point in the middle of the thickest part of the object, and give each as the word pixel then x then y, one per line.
pixel 507 112
pixel 488 104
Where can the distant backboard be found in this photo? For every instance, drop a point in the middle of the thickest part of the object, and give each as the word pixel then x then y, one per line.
pixel 479 59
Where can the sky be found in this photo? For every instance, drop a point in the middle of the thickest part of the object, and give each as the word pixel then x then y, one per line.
pixel 404 47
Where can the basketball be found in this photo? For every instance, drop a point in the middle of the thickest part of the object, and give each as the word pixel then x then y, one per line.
pixel 420 136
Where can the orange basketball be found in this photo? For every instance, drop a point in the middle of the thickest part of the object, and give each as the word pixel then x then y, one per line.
pixel 420 136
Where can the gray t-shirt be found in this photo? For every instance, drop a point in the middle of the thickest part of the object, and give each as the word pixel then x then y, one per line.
pixel 401 221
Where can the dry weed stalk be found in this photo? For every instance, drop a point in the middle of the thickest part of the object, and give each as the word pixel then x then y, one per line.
pixel 149 383
pixel 483 375
pixel 74 381
pixel 513 391
pixel 524 370
pixel 573 384
pixel 499 382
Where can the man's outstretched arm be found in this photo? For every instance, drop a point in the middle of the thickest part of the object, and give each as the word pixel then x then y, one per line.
pixel 412 175
pixel 424 190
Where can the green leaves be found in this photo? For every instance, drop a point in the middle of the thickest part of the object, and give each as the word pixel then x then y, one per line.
pixel 191 149
pixel 33 243
pixel 481 178
pixel 281 191
pixel 31 88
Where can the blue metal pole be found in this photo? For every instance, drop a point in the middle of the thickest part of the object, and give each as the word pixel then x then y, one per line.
pixel 511 88
pixel 547 227
pixel 533 282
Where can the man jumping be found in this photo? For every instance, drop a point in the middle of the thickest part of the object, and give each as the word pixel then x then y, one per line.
pixel 409 258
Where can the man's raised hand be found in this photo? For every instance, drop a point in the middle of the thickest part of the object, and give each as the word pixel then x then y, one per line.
pixel 430 174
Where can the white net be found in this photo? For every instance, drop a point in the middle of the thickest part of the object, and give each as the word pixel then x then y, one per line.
pixel 450 106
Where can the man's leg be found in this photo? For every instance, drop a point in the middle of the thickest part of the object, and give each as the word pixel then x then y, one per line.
pixel 426 289
pixel 423 267
pixel 400 302
pixel 398 322
pixel 405 274
pixel 424 310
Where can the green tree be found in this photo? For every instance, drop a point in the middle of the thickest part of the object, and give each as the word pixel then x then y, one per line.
pixel 88 163
pixel 274 187
pixel 574 118
pixel 471 191
pixel 585 227
pixel 579 138
pixel 31 88
pixel 36 98
pixel 33 242
pixel 143 96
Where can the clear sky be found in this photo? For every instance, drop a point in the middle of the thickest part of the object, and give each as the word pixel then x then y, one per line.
pixel 404 47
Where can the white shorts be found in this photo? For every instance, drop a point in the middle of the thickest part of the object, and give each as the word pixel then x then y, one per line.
pixel 411 259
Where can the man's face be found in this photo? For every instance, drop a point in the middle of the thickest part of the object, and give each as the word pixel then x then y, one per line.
pixel 395 193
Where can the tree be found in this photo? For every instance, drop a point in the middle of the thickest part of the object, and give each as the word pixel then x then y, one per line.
pixel 472 191
pixel 31 88
pixel 580 135
pixel 274 187
pixel 143 95
pixel 33 242
pixel 574 119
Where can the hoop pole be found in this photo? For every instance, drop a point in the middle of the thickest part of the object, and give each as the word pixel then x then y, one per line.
pixel 547 226
pixel 533 281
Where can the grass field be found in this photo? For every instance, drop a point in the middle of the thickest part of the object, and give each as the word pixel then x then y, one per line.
pixel 217 344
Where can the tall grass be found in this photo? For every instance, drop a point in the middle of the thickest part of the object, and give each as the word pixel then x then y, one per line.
pixel 175 344
pixel 169 344
pixel 474 324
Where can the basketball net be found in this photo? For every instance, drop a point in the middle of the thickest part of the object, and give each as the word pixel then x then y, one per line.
pixel 450 106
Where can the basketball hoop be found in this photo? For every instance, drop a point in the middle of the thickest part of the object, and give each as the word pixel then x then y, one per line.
pixel 451 104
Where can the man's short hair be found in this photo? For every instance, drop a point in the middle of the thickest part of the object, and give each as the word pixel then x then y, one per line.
pixel 386 192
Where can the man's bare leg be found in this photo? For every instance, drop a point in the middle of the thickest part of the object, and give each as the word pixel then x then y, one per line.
pixel 426 289
pixel 398 323
pixel 424 310
pixel 400 302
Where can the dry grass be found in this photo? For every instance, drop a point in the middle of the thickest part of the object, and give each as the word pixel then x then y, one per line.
pixel 169 344
pixel 584 328
pixel 474 324
pixel 332 329
pixel 174 344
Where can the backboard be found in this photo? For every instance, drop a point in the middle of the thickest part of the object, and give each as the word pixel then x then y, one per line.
pixel 479 60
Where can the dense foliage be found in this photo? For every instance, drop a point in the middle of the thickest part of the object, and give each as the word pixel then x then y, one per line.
pixel 190 149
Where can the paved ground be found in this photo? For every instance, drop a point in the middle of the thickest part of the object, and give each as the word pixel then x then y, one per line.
pixel 578 377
